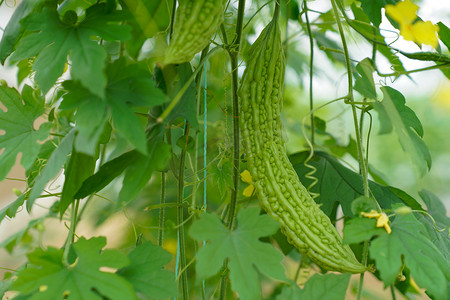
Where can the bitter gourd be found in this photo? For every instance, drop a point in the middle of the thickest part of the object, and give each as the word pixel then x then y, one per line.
pixel 277 185
pixel 195 23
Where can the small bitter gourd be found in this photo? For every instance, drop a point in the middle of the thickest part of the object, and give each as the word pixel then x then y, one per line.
pixel 277 185
pixel 195 23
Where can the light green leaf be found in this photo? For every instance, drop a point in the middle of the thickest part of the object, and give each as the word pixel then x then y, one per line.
pixel 20 135
pixel 364 83
pixel 222 175
pixel 11 209
pixel 47 277
pixel 394 113
pixel 409 240
pixel 361 229
pixel 146 272
pixel 53 41
pixel 242 247
pixel 51 169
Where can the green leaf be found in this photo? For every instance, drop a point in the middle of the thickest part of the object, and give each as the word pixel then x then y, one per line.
pixel 80 167
pixel 53 41
pixel 16 239
pixel 364 83
pixel 139 173
pixel 328 286
pixel 318 287
pixel 146 272
pixel 435 208
pixel 409 240
pixel 373 9
pixel 444 34
pixel 17 122
pixel 11 209
pixel 129 86
pixel 186 107
pixel 242 247
pixel 394 113
pixel 357 230
pixel 51 169
pixel 107 173
pixel 222 175
pixel 47 277
pixel 14 30
pixel 340 185
pixel 149 17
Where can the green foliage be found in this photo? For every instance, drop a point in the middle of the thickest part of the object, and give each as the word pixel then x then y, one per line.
pixel 241 247
pixel 408 244
pixel 329 286
pixel 146 274
pixel 52 41
pixel 20 137
pixel 394 113
pixel 50 277
pixel 84 121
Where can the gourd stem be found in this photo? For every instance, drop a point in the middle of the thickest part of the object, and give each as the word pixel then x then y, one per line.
pixel 276 13
pixel 70 236
pixel 162 209
pixel 311 63
pixel 362 163
pixel 172 18
pixel 180 218
pixel 234 53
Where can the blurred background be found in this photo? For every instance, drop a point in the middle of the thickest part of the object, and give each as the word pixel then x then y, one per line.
pixel 427 93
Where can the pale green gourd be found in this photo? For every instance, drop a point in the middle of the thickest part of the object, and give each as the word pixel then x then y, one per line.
pixel 195 23
pixel 277 185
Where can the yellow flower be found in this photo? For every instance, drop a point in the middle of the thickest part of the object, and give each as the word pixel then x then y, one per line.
pixel 247 177
pixel 404 13
pixel 382 219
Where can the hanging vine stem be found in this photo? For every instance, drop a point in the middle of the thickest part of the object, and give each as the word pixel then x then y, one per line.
pixel 71 235
pixel 362 162
pixel 180 218
pixel 233 52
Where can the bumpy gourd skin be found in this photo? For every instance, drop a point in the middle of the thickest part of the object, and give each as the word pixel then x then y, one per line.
pixel 277 185
pixel 195 23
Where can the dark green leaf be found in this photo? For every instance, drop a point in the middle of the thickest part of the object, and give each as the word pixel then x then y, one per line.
pixel 373 9
pixel 328 286
pixel 444 34
pixel 340 185
pixel 80 167
pixel 17 122
pixel 51 169
pixel 241 246
pixel 53 41
pixel 139 173
pixel 435 207
pixel 395 114
pixel 81 280
pixel 146 272
pixel 107 173
pixel 409 240
pixel 363 204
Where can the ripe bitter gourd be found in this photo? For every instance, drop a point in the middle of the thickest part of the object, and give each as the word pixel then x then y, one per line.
pixel 277 185
pixel 195 23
